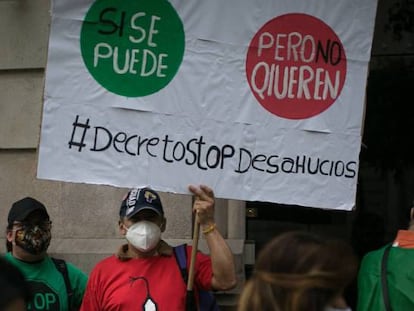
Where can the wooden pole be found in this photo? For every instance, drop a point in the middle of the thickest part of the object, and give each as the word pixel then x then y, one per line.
pixel 196 235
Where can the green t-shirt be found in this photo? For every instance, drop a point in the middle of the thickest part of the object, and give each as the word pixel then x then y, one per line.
pixel 48 284
pixel 400 279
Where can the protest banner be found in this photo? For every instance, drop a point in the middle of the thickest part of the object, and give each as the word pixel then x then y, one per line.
pixel 261 100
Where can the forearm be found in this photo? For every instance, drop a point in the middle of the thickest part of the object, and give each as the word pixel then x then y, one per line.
pixel 224 275
pixel 222 260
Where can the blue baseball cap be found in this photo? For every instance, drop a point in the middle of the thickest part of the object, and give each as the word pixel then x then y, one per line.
pixel 139 199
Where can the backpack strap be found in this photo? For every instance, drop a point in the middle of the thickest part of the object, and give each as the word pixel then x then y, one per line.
pixel 63 269
pixel 385 294
pixel 207 300
pixel 180 253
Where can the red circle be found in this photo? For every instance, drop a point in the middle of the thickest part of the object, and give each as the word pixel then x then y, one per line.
pixel 296 66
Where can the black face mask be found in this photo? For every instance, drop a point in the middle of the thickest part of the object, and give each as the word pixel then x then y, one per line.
pixel 34 239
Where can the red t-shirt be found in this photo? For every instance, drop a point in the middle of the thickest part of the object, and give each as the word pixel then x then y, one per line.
pixel 153 283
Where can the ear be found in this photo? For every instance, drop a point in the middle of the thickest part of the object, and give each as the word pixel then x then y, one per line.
pixel 9 236
pixel 122 229
pixel 163 224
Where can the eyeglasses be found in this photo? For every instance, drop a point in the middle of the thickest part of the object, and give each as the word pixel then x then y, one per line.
pixel 45 225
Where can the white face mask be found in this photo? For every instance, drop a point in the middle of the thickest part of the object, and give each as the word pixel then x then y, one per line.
pixel 144 235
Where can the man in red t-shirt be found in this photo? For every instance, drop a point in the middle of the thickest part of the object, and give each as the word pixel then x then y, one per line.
pixel 144 274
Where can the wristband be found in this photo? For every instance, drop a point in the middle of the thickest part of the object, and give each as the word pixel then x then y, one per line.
pixel 209 229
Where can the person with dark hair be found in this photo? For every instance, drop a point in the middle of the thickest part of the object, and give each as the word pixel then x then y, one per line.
pixel 386 275
pixel 145 274
pixel 14 290
pixel 56 285
pixel 300 271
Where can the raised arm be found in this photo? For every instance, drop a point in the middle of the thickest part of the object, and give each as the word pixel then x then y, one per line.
pixel 224 275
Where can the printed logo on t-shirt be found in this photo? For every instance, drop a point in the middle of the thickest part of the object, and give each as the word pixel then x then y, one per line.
pixel 149 304
pixel 44 297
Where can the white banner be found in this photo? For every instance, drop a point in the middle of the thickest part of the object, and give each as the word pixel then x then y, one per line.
pixel 261 100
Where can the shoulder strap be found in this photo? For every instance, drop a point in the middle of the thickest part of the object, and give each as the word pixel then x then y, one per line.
pixel 206 298
pixel 180 253
pixel 63 269
pixel 385 294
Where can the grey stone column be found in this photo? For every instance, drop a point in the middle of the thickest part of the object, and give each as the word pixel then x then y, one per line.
pixel 236 225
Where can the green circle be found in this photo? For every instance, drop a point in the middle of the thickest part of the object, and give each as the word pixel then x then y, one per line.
pixel 132 47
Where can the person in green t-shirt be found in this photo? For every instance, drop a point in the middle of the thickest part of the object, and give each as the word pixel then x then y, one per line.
pixel 55 285
pixel 398 272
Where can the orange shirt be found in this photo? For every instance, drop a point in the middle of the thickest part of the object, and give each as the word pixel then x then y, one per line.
pixel 404 239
